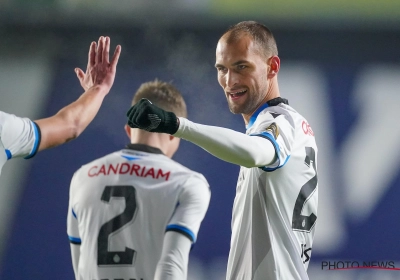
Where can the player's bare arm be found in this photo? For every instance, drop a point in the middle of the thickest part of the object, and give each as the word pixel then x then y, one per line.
pixel 97 81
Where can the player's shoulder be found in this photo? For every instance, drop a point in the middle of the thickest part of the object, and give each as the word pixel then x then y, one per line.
pixel 3 115
pixel 296 119
pixel 6 117
pixel 282 113
pixel 283 110
pixel 299 125
pixel 184 177
pixel 3 118
pixel 185 172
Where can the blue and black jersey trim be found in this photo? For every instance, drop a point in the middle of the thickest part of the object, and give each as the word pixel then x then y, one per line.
pixel 273 102
pixel 268 136
pixel 8 153
pixel 255 115
pixel 185 231
pixel 38 137
pixel 74 214
pixel 75 240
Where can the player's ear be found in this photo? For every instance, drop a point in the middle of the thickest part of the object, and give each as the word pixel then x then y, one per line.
pixel 274 66
pixel 128 130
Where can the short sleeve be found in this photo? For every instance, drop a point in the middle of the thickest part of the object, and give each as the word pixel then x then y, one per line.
pixel 279 130
pixel 72 219
pixel 20 136
pixel 191 209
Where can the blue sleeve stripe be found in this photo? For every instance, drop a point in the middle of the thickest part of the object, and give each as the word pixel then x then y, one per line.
pixel 74 214
pixel 275 168
pixel 270 138
pixel 74 240
pixel 36 130
pixel 277 149
pixel 185 231
pixel 8 153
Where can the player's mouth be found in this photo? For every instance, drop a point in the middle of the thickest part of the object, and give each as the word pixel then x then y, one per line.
pixel 234 95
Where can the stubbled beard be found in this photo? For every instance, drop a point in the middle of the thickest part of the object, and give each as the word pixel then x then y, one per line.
pixel 233 111
pixel 241 109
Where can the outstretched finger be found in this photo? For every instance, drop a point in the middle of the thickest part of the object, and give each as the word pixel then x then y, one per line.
pixel 92 54
pixel 114 60
pixel 106 49
pixel 99 51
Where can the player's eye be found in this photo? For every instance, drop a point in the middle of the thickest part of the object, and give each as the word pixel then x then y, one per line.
pixel 241 67
pixel 221 69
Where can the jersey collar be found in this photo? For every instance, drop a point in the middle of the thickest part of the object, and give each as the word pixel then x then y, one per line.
pixel 272 102
pixel 144 148
pixel 255 115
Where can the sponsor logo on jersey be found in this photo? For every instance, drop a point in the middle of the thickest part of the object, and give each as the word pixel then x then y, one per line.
pixel 307 128
pixel 129 169
pixel 273 130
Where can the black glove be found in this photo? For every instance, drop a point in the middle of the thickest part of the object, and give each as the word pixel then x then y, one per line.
pixel 146 116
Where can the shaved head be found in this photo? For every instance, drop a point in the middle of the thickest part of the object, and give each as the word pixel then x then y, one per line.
pixel 259 33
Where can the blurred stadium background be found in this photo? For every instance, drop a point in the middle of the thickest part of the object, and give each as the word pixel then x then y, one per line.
pixel 340 67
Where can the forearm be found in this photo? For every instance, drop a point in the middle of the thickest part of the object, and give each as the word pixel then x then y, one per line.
pixel 227 144
pixel 81 112
pixel 71 120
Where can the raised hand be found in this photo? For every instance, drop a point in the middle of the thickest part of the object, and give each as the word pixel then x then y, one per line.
pixel 147 116
pixel 100 71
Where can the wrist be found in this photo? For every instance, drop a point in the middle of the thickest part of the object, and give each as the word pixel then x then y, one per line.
pixel 171 123
pixel 99 89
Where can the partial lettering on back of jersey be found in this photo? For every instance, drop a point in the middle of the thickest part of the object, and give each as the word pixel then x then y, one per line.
pixel 122 204
pixel 19 137
pixel 275 208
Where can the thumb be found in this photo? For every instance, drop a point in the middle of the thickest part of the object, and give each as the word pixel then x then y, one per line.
pixel 79 73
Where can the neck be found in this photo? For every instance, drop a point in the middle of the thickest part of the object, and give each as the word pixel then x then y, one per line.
pixel 156 140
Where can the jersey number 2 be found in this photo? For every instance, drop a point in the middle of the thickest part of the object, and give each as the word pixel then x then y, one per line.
pixel 299 221
pixel 105 257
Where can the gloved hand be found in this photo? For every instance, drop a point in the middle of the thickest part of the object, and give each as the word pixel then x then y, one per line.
pixel 147 116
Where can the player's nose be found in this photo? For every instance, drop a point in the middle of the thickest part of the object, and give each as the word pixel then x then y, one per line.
pixel 231 78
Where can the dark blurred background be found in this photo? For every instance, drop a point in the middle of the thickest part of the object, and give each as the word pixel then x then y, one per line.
pixel 340 68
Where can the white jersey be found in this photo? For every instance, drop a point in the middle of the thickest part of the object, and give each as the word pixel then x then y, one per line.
pixel 275 207
pixel 122 204
pixel 19 137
